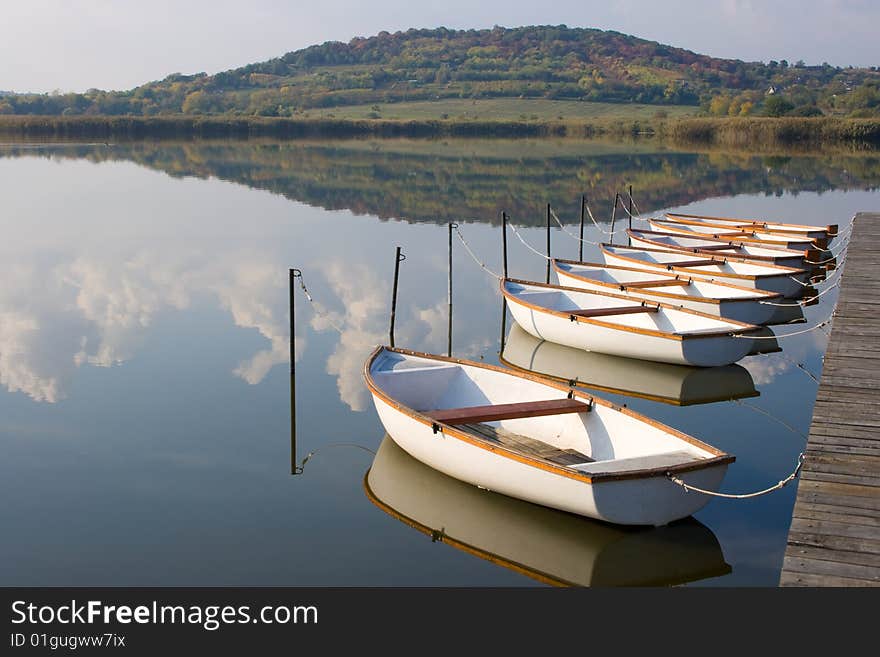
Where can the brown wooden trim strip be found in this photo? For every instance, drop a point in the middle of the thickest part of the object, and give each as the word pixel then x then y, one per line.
pixel 497 412
pixel 660 283
pixel 604 312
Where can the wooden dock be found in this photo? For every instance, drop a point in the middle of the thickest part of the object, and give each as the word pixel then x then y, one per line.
pixel 834 538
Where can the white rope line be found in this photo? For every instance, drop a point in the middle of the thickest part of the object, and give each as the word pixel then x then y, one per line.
pixel 596 223
pixel 473 255
pixel 315 451
pixel 803 302
pixel 579 239
pixel 800 366
pixel 637 216
pixel 527 245
pixel 780 484
pixel 785 335
pixel 316 306
pixel 834 255
pixel 762 411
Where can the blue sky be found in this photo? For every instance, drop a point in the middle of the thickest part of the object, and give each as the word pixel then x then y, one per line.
pixel 72 45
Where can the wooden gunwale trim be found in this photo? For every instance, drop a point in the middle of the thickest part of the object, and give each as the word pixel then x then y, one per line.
pixel 627 393
pixel 773 259
pixel 719 457
pixel 789 271
pixel 512 298
pixel 782 243
pixel 764 294
pixel 830 229
pixel 442 537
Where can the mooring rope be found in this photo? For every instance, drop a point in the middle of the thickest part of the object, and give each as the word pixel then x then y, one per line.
pixel 472 254
pixel 741 496
pixel 800 366
pixel 805 301
pixel 580 239
pixel 316 307
pixel 833 257
pixel 784 335
pixel 527 245
pixel 762 411
pixel 299 468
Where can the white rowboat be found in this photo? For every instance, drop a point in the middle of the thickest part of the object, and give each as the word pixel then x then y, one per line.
pixel 828 232
pixel 791 282
pixel 547 545
pixel 701 294
pixel 719 247
pixel 539 441
pixel 619 325
pixel 777 240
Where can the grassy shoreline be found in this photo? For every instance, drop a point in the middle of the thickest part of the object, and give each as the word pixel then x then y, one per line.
pixel 729 132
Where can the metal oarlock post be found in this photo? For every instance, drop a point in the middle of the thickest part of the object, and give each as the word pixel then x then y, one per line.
pixel 548 244
pixel 583 212
pixel 398 258
pixel 504 242
pixel 613 216
pixel 294 469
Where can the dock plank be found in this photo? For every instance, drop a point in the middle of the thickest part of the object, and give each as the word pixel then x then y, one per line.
pixel 834 539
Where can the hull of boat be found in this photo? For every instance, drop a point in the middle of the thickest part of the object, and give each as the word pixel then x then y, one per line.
pixel 652 500
pixel 829 231
pixel 700 352
pixel 758 254
pixel 778 240
pixel 750 311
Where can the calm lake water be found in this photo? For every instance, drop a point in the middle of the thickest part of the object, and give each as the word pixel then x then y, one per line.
pixel 144 372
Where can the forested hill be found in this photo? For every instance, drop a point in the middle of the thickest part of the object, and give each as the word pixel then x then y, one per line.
pixel 546 62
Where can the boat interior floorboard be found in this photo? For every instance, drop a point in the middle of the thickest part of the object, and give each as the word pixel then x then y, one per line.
pixel 526 445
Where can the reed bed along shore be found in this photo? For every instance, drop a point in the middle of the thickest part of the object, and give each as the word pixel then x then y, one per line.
pixel 756 133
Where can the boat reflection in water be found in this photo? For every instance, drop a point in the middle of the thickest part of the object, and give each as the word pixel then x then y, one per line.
pixel 672 384
pixel 548 545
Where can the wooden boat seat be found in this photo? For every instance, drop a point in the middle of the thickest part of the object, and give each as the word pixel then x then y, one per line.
pixel 657 283
pixel 691 263
pixel 496 412
pixel 647 462
pixel 718 247
pixel 604 312
pixel 528 446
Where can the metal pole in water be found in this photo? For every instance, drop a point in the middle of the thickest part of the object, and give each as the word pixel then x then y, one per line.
pixel 294 469
pixel 504 241
pixel 398 258
pixel 613 215
pixel 449 294
pixel 548 244
pixel 630 207
pixel 581 244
